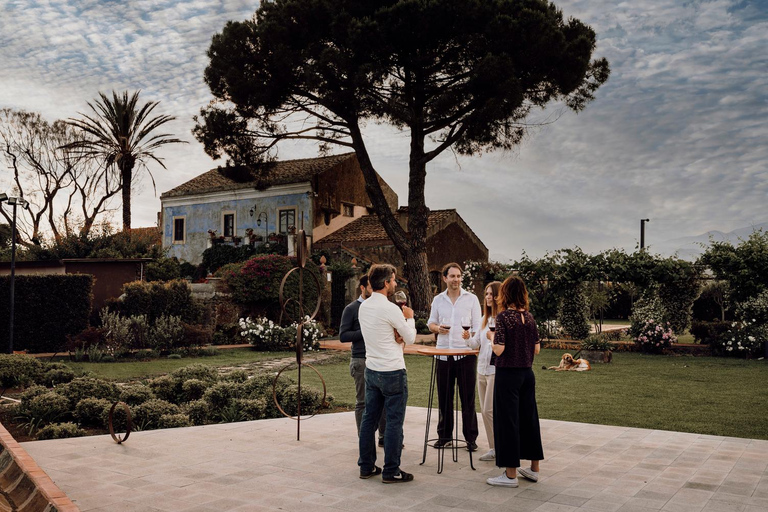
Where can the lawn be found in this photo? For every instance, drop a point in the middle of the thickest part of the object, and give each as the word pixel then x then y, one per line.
pixel 705 395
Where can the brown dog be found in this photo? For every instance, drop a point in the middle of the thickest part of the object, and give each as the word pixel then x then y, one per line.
pixel 569 364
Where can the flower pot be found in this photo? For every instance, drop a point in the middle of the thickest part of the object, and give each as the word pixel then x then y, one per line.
pixel 597 356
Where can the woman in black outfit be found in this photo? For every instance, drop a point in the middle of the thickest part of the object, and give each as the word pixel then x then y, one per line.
pixel 516 418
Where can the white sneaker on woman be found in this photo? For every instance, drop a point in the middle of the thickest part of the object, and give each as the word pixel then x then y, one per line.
pixel 529 474
pixel 503 481
pixel 491 455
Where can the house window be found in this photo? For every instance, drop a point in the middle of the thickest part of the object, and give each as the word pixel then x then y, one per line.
pixel 287 219
pixel 348 210
pixel 228 224
pixel 179 231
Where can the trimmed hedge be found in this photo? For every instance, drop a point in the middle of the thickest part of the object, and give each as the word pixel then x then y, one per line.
pixel 47 309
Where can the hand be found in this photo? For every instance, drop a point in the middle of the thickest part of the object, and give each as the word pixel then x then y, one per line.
pixel 465 335
pixel 407 312
pixel 490 335
pixel 398 338
pixel 442 330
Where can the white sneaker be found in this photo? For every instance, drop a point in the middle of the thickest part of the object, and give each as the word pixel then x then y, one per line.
pixel 503 481
pixel 529 474
pixel 491 455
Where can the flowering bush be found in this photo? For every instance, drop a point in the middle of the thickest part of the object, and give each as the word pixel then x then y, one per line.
pixel 744 339
pixel 264 334
pixel 655 336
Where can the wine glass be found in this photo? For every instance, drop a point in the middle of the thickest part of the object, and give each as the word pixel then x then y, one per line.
pixel 492 324
pixel 445 323
pixel 400 299
pixel 466 322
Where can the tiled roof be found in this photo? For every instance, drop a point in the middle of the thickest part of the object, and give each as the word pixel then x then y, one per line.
pixel 269 174
pixel 368 228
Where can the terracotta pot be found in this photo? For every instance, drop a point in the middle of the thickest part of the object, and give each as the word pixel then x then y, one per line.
pixel 597 356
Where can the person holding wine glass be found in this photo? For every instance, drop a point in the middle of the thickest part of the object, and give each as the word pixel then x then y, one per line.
pixel 486 371
pixel 445 320
pixel 517 434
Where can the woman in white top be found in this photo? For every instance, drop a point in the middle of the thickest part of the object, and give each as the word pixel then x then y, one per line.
pixel 486 372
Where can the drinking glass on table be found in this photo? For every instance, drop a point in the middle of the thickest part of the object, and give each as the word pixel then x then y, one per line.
pixel 400 299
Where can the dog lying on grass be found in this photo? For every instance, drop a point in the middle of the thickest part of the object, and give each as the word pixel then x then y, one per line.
pixel 569 364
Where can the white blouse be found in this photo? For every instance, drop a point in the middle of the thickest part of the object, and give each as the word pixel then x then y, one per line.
pixel 481 341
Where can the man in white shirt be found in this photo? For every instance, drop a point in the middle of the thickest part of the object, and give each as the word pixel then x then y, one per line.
pixel 448 308
pixel 386 328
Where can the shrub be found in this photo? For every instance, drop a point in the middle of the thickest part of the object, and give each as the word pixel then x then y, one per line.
pixel 311 400
pixel 149 413
pixel 173 421
pixel 709 332
pixel 654 337
pixel 47 408
pixel 266 335
pixel 198 371
pixel 573 314
pixel 88 411
pixel 136 394
pixel 252 409
pixel 155 299
pixel 86 338
pixel 256 283
pixel 165 388
pixel 48 309
pixel 30 393
pixel 117 330
pixel 60 431
pixel 193 389
pixel 236 376
pixel 88 387
pixel 197 335
pixel 648 307
pixel 119 419
pixel 19 370
pixel 167 332
pixel 57 373
pixel 219 255
pixel 220 394
pixel 198 411
pixel 422 327
pixel 163 269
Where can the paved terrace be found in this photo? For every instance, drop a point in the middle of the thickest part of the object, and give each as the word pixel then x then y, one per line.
pixel 259 465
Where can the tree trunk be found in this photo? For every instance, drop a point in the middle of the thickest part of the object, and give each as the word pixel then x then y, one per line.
pixel 126 173
pixel 417 272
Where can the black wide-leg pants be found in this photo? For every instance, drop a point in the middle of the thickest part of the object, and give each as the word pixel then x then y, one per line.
pixel 516 430
pixel 449 373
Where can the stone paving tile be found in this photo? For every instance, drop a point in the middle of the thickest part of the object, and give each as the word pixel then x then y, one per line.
pixel 260 466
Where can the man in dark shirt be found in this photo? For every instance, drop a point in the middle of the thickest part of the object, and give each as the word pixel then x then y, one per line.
pixel 349 332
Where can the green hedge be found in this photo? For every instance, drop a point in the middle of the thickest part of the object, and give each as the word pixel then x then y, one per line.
pixel 47 309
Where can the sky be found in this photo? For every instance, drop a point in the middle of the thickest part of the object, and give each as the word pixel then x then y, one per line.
pixel 678 135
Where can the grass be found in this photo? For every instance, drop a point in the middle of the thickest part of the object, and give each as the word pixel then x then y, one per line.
pixel 705 395
pixel 136 370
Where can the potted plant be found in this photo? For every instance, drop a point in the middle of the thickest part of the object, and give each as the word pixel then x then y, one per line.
pixel 597 349
pixel 215 239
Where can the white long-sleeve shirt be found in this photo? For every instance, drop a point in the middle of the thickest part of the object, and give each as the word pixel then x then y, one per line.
pixel 466 304
pixel 378 319
pixel 481 341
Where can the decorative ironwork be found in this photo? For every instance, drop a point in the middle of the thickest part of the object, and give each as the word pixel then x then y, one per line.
pixel 128 423
pixel 302 254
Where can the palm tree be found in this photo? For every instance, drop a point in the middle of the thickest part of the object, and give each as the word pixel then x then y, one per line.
pixel 119 132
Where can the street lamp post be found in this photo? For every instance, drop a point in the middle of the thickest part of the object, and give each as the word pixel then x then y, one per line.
pixel 12 201
pixel 642 232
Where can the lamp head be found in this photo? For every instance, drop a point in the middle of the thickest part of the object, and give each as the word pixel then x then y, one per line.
pixel 3 197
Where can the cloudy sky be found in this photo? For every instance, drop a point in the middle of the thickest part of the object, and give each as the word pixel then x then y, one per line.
pixel 677 135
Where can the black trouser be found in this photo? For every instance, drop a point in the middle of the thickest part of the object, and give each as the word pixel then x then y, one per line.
pixel 448 374
pixel 516 429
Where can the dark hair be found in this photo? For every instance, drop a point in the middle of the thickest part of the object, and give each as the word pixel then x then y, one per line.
pixel 491 311
pixel 364 281
pixel 449 266
pixel 379 275
pixel 513 294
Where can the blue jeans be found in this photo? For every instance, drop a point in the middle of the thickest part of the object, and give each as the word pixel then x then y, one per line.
pixel 387 393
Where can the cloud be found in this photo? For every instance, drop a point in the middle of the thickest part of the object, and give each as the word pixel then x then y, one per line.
pixel 677 135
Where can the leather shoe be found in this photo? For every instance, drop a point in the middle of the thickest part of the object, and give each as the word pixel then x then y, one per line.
pixel 471 446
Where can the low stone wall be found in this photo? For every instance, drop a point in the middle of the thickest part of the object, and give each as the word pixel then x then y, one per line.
pixel 24 487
